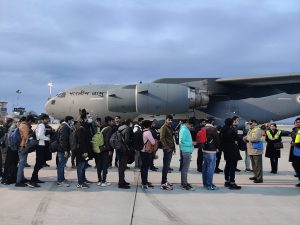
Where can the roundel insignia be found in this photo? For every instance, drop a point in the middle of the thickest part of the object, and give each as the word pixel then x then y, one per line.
pixel 298 99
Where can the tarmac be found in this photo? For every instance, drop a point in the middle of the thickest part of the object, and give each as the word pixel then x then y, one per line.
pixel 276 201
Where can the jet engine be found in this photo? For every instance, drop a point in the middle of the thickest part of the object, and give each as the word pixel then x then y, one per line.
pixel 156 99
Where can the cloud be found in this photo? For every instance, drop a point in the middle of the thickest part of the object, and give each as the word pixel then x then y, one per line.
pixel 82 42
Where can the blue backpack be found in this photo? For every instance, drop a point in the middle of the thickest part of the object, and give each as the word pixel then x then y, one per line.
pixel 14 140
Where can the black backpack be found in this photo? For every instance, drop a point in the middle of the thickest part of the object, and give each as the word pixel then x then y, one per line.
pixel 138 142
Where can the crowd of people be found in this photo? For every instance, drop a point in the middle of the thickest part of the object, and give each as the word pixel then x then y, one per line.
pixel 86 139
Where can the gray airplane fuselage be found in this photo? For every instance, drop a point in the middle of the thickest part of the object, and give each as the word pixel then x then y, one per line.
pixel 94 99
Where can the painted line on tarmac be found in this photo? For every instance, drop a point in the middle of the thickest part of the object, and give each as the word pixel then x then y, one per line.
pixel 137 178
pixel 38 218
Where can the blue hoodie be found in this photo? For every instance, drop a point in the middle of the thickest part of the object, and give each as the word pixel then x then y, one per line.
pixel 185 139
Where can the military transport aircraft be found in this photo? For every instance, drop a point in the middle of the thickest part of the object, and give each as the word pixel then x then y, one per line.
pixel 265 98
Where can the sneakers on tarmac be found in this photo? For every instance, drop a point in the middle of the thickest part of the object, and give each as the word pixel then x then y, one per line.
pixel 65 183
pixel 82 186
pixel 104 184
pixel 166 186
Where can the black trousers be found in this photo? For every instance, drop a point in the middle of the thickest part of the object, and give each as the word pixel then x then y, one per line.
pixel 166 165
pixel 219 155
pixel 297 165
pixel 1 166
pixel 102 161
pixel 199 159
pixel 274 164
pixel 229 170
pixel 146 161
pixel 11 167
pixel 39 161
pixel 123 159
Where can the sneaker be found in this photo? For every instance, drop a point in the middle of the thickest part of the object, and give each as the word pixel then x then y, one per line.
pixel 166 187
pixel 258 181
pixel 123 186
pixel 237 170
pixel 20 185
pixel 252 178
pixel 248 170
pixel 226 184
pixel 82 186
pixel 64 183
pixel 298 185
pixel 99 183
pixel 88 182
pixel 170 184
pixel 234 186
pixel 27 165
pixel 150 185
pixel 25 181
pixel 105 184
pixel 187 187
pixel 211 188
pixel 33 185
pixel 153 169
pixel 126 183
pixel 144 186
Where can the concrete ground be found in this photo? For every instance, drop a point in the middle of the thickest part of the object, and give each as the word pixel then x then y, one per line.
pixel 276 201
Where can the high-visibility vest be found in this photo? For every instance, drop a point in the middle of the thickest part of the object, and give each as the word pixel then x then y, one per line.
pixel 277 135
pixel 297 139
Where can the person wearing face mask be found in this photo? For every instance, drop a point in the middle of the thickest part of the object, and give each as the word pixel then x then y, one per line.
pixel 63 151
pixel 273 139
pixel 41 149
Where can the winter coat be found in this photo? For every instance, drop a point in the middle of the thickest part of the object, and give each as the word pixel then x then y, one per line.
pixel 229 139
pixel 82 139
pixel 271 152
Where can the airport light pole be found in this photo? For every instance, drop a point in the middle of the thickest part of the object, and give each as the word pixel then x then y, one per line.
pixel 50 85
pixel 18 96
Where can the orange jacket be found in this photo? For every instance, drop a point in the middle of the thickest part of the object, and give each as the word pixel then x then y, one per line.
pixel 24 129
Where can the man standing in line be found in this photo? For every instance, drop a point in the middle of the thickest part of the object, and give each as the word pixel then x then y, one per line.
pixel 167 140
pixel 186 146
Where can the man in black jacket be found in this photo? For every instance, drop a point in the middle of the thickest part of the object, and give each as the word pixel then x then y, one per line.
pixel 102 158
pixel 63 151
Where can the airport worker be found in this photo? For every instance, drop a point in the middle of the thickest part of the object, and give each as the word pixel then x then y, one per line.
pixel 229 145
pixel 24 130
pixel 102 158
pixel 274 144
pixel 81 152
pixel 296 148
pixel 186 146
pixel 63 151
pixel 41 148
pixel 210 149
pixel 146 153
pixel 168 143
pixel 255 150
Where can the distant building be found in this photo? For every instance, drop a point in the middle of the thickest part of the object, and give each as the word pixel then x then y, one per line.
pixel 3 108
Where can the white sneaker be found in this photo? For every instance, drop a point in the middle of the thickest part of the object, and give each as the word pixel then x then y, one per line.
pixel 99 183
pixel 65 183
pixel 104 184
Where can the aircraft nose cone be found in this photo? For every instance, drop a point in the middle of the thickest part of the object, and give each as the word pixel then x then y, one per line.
pixel 49 106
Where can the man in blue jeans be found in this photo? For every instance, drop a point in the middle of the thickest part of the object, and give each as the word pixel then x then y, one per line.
pixel 24 130
pixel 167 140
pixel 63 151
pixel 210 149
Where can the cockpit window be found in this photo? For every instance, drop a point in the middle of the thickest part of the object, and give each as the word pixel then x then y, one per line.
pixel 61 95
pixel 52 102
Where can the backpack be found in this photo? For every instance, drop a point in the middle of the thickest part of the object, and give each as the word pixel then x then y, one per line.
pixel 73 141
pixel 138 142
pixel 201 136
pixel 98 141
pixel 31 142
pixel 116 140
pixel 14 140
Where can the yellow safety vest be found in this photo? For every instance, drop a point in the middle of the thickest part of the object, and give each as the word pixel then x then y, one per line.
pixel 275 137
pixel 297 139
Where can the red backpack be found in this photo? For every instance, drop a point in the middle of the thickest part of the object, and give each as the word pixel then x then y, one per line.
pixel 201 136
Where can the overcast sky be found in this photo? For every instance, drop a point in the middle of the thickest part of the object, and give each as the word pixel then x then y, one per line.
pixel 90 41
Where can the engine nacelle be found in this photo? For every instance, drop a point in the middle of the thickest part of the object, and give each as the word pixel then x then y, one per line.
pixel 156 99
pixel 121 100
